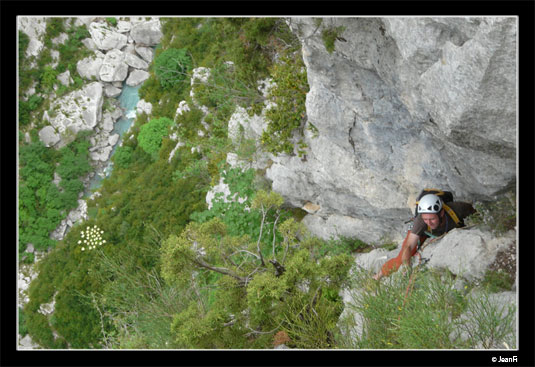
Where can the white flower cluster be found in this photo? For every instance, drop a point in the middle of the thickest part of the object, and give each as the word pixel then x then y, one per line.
pixel 92 237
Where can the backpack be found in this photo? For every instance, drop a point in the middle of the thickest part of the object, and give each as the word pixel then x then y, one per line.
pixel 445 196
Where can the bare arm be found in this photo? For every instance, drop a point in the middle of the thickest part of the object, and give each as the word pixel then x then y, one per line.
pixel 412 242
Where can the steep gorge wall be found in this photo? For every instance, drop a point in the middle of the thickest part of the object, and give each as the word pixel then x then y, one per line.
pixel 402 104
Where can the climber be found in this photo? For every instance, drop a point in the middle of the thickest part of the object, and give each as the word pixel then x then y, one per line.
pixel 434 219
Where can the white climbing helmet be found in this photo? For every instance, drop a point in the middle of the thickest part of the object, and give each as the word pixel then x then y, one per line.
pixel 430 204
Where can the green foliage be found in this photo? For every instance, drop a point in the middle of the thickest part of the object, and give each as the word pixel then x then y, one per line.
pixel 112 21
pixel 311 324
pixel 42 205
pixel 23 329
pixel 499 216
pixel 271 274
pixel 54 27
pixel 24 41
pixel 26 108
pixel 289 94
pixel 151 134
pixel 329 35
pixel 488 324
pixel 343 245
pixel 123 156
pixel 48 78
pixel 430 313
pixel 497 281
pixel 233 213
pixel 172 67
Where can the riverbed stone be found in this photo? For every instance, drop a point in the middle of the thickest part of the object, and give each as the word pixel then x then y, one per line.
pixel 123 26
pixel 147 33
pixel 146 53
pixel 89 67
pixel 137 77
pixel 111 91
pixel 106 38
pixel 114 67
pixel 102 154
pixel 135 61
pixel 112 140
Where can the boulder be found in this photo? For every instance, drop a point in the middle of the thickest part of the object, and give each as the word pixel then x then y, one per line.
pixel 59 40
pixel 90 44
pixel 35 28
pixel 114 67
pixel 112 140
pixel 55 58
pixel 146 53
pixel 123 26
pixel 143 107
pixel 111 91
pixel 105 38
pixel 48 136
pixel 78 110
pixel 135 62
pixel 147 33
pixel 27 343
pixel 65 78
pixel 384 129
pixel 467 252
pixel 83 20
pixel 89 68
pixel 137 77
pixel 102 154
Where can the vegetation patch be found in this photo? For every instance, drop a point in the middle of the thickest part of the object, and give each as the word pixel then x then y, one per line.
pixel 330 35
pixel 498 216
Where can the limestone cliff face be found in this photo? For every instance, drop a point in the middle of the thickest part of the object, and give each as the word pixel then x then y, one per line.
pixel 402 104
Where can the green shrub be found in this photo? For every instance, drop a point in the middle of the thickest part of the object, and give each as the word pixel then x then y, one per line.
pixel 112 21
pixel 499 215
pixel 151 134
pixel 329 35
pixel 24 41
pixel 289 114
pixel 123 156
pixel 48 78
pixel 23 329
pixel 421 310
pixel 54 27
pixel 497 281
pixel 171 68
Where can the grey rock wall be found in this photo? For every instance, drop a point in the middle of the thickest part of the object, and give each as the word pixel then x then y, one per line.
pixel 402 104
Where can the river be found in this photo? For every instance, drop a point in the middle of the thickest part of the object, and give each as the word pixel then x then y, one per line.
pixel 128 100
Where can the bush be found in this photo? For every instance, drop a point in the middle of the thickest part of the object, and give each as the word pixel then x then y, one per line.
pixel 48 78
pixel 112 21
pixel 171 68
pixel 421 310
pixel 123 156
pixel 151 134
pixel 329 35
pixel 289 112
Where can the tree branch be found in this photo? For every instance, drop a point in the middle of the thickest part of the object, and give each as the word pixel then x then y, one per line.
pixel 224 271
pixel 274 233
pixel 260 235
